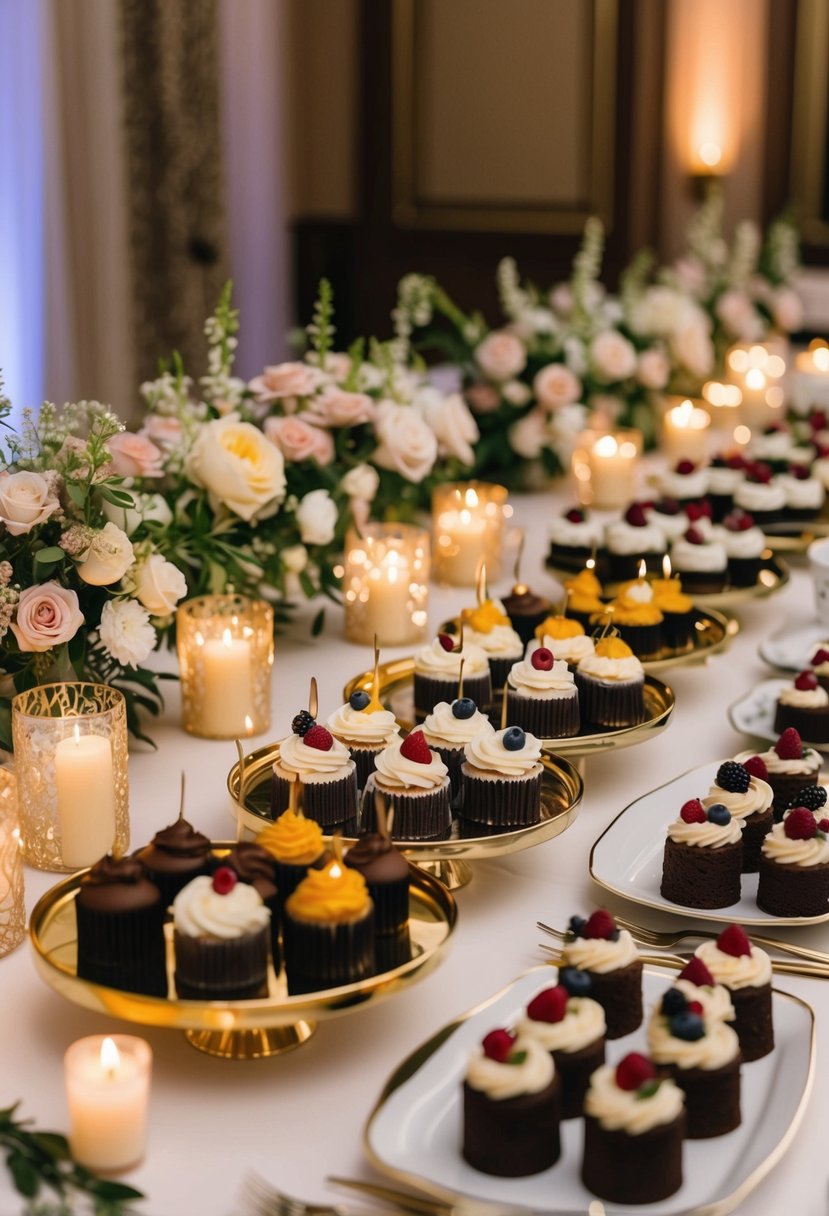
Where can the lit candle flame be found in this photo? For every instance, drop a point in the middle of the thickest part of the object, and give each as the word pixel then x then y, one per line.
pixel 110 1057
pixel 227 638
pixel 334 870
pixel 821 358
pixel 606 446
pixel 642 568
pixel 710 154
pixel 666 566
pixel 76 735
pixel 249 724
pixel 755 379
pixel 471 498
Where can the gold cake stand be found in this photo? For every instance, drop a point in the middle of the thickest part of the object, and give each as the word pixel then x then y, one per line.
pixel 237 1030
pixel 447 860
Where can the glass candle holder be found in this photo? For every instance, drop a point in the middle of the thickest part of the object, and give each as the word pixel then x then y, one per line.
pixel 605 466
pixel 225 654
pixel 757 369
pixel 12 906
pixel 686 426
pixel 467 529
pixel 810 386
pixel 386 584
pixel 70 751
pixel 107 1091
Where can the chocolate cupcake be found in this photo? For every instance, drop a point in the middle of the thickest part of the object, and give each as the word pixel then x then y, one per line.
pixel 678 613
pixel 637 619
pixel 700 561
pixel 386 873
pixel 542 697
pixel 631 540
pixel 703 856
pixel 794 867
pixel 725 473
pixel 221 933
pixel 488 627
pixel 787 767
pixel 574 537
pixel 584 600
pixel 328 930
pixel 120 918
pixel 748 799
pixel 295 844
pixel 804 705
pixel 448 729
pixel 526 610
pixel 437 671
pixel 324 769
pixel 572 1028
pixel 502 777
pixel 745 971
pixel 254 865
pixel 745 545
pixel 608 956
pixel 174 856
pixel 365 728
pixel 686 482
pixel 611 686
pixel 415 783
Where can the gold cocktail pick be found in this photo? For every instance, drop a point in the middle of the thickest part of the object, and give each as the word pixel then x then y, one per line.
pixel 295 797
pixel 375 703
pixel 504 708
pixel 117 851
pixel 519 588
pixel 460 679
pixel 383 813
pixel 313 698
pixel 240 752
pixel 183 782
pixel 460 636
pixel 337 848
pixel 480 581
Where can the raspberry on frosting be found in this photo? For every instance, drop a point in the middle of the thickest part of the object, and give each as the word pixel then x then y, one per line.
pixel 693 811
pixel 498 1044
pixel 542 659
pixel 733 941
pixel 800 824
pixel 549 1005
pixel 415 748
pixel 806 681
pixel 755 766
pixel 319 738
pixel 600 924
pixel 696 972
pixel 634 1071
pixel 789 746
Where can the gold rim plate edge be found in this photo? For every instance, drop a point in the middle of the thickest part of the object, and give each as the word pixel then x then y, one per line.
pixel 416 1059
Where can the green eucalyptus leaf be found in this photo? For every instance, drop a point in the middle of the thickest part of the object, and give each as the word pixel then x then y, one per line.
pixel 118 498
pixel 24 1175
pixel 52 554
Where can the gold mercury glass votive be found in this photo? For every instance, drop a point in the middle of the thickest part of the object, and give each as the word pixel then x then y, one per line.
pixel 467 529
pixel 225 654
pixel 605 465
pixel 12 905
pixel 386 584
pixel 757 369
pixel 70 752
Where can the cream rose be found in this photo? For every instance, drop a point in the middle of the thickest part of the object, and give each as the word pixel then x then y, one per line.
pixel 238 466
pixel 555 385
pixel 516 392
pixel 295 558
pixel 148 508
pixel 25 501
pixel 135 455
pixel 159 585
pixel 528 436
pixel 285 380
pixel 317 518
pixel 108 557
pixel 694 349
pixel 407 445
pixel 613 357
pixel 361 482
pixel 126 632
pixel 501 356
pixel 450 419
pixel 297 440
pixel 336 407
pixel 47 616
pixel 653 368
pixel 787 309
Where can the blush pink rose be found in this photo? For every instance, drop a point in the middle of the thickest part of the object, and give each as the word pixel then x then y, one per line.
pixel 336 407
pixel 613 357
pixel 26 500
pixel 298 440
pixel 787 309
pixel 501 356
pixel 528 436
pixel 135 455
pixel 408 445
pixel 163 430
pixel 47 616
pixel 555 386
pixel 483 398
pixel 285 380
pixel 653 368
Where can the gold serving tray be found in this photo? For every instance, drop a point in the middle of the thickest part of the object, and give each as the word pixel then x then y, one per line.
pixel 561 794
pixel 237 1030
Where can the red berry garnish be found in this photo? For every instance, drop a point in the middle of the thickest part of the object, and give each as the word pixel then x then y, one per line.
pixel 550 1005
pixel 736 461
pixel 806 681
pixel 319 738
pixel 693 812
pixel 817 420
pixel 801 472
pixel 447 641
pixel 759 473
pixel 635 515
pixel 738 521
pixel 684 467
pixel 694 537
pixel 542 659
pixel 789 746
pixel 799 824
pixel 600 924
pixel 668 506
pixel 733 941
pixel 695 1007
pixel 823 825
pixel 498 1044
pixel 755 766
pixel 633 1071
pixel 696 972
pixel 819 657
pixel 698 510
pixel 415 748
pixel 575 516
pixel 224 880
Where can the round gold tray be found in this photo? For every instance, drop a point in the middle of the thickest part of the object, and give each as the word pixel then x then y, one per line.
pixel 561 794
pixel 239 1030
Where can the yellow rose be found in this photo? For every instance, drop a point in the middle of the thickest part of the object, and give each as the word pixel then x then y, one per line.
pixel 238 466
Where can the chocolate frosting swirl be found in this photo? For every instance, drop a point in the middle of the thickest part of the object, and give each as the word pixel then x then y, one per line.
pixel 254 865
pixel 525 603
pixel 182 839
pixel 117 884
pixel 377 859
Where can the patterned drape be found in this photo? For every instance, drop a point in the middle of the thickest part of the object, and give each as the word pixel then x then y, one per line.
pixel 175 194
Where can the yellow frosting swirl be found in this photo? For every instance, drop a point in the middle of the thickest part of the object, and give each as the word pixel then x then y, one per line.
pixel 485 617
pixel 292 838
pixel 673 600
pixel 559 627
pixel 631 612
pixel 335 894
pixel 581 601
pixel 613 648
pixel 584 583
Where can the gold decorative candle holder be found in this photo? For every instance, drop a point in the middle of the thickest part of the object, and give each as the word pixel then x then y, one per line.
pixel 605 465
pixel 225 654
pixel 12 906
pixel 757 369
pixel 70 750
pixel 386 584
pixel 467 529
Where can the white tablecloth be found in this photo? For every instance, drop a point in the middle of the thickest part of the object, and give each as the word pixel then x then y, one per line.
pixel 296 1118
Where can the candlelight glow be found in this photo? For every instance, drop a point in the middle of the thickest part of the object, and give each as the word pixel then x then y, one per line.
pixel 471 497
pixel 76 735
pixel 755 379
pixel 821 358
pixel 710 154
pixel 742 435
pixel 643 569
pixel 110 1056
pixel 334 870
pixel 249 724
pixel 666 566
pixel 227 638
pixel 606 446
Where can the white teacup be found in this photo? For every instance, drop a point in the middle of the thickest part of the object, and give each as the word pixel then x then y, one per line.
pixel 819 567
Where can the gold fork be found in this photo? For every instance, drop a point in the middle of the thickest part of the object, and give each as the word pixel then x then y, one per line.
pixel 665 939
pixel 678 961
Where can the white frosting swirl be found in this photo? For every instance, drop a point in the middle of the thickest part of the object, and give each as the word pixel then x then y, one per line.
pixel 597 954
pixel 757 798
pixel 778 847
pixel 433 660
pixel 804 698
pixel 820 468
pixel 502 641
pixel 717 1047
pixel 360 726
pixel 715 1001
pixel 806 494
pixel 572 535
pixel 623 538
pixel 500 1081
pixel 531 681
pixel 723 480
pixel 613 670
pixel 744 971
pixel 755 496
pixel 199 911
pixel 296 757
pixel 572 650
pixel 810 762
pixel 396 771
pixel 623 1110
pixel 670 526
pixel 776 445
pixel 441 726
pixel 683 485
pixel 749 543
pixel 710 556
pixel 706 835
pixel 583 1023
pixel 487 752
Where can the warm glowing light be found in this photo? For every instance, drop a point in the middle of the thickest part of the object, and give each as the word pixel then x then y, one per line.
pixel 335 871
pixel 227 639
pixel 628 450
pixel 738 360
pixel 110 1057
pixel 775 397
pixel 775 367
pixel 666 566
pixel 725 395
pixel 590 564
pixel 821 358
pixel 742 435
pixel 76 735
pixel 687 416
pixel 755 379
pixel 643 568
pixel 758 356
pixel 607 447
pixel 339 571
pixel 710 154
pixel 471 497
pixel 249 724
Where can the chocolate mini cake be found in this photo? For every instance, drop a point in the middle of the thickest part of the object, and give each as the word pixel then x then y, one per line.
pixel 804 705
pixel 489 628
pixel 701 562
pixel 794 867
pixel 787 767
pixel 747 798
pixel 745 970
pixel 386 872
pixel 571 1027
pixel 437 671
pixel 608 956
pixel 511 1107
pixel 365 728
pixel 221 932
pixel 120 918
pixel 328 930
pixel 633 1131
pixel 819 664
pixel 631 540
pixel 745 545
pixel 703 857
pixel 611 686
pixel 174 856
pixel 678 613
pixel 448 729
pixel 574 537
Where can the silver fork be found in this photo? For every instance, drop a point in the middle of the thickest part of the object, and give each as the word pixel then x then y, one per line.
pixel 259 1198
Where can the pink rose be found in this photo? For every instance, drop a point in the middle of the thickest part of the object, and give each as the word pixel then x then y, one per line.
pixel 47 616
pixel 135 455
pixel 297 440
pixel 408 446
pixel 653 368
pixel 501 356
pixel 613 357
pixel 739 315
pixel 690 274
pixel 337 364
pixel 26 500
pixel 555 385
pixel 483 398
pixel 787 309
pixel 168 432
pixel 528 436
pixel 336 407
pixel 285 380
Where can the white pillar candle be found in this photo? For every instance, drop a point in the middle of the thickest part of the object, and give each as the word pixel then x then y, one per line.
pixel 227 699
pixel 85 789
pixel 107 1091
pixel 685 433
pixel 811 379
pixel 387 612
pixel 461 545
pixel 612 469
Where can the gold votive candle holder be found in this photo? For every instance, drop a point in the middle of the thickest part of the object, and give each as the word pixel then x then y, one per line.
pixel 467 529
pixel 12 905
pixel 386 584
pixel 70 750
pixel 757 369
pixel 686 427
pixel 605 465
pixel 225 654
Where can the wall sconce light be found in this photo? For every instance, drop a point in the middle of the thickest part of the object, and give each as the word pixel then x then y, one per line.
pixel 708 168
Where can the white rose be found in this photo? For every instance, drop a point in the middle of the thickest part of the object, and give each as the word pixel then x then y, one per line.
pixel 787 309
pixel 501 355
pixel 407 445
pixel 653 368
pixel 565 425
pixel 660 310
pixel 738 315
pixel 159 585
pixel 317 518
pixel 25 501
pixel 516 392
pixel 451 420
pixel 361 482
pixel 108 557
pixel 613 357
pixel 528 436
pixel 126 632
pixel 694 349
pixel 295 558
pixel 149 508
pixel 555 385
pixel 238 466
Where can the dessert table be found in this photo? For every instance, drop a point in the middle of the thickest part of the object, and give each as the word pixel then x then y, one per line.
pixel 298 1117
